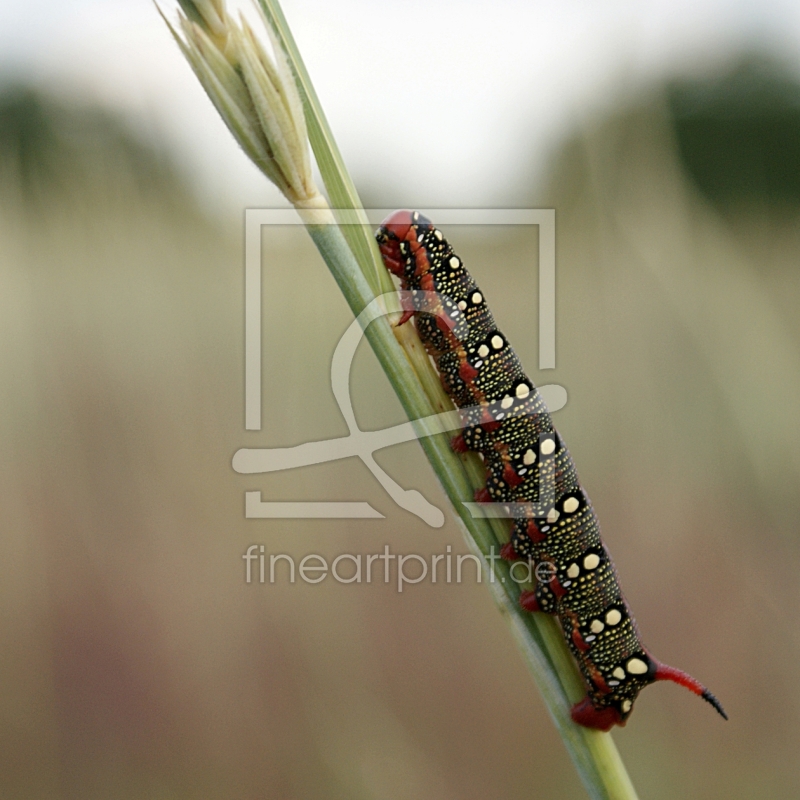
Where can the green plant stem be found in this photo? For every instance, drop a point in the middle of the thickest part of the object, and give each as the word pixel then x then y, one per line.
pixel 539 636
pixel 352 255
pixel 353 258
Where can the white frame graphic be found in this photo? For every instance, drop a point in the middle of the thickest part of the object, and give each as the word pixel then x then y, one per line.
pixel 364 443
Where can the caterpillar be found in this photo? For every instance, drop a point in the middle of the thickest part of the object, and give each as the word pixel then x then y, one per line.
pixel 504 419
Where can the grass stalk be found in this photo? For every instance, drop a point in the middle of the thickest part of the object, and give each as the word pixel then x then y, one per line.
pixel 259 99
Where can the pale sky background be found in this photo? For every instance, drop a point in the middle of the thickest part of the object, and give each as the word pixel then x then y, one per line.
pixel 434 103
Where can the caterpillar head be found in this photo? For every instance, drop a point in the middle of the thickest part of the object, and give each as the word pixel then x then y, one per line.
pixel 397 224
pixel 397 240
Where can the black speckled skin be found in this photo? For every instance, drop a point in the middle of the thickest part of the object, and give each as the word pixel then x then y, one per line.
pixel 506 421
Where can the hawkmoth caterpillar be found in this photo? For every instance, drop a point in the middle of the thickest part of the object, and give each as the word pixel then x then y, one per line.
pixel 505 420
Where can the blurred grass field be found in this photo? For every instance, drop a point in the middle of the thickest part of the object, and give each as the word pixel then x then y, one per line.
pixel 136 662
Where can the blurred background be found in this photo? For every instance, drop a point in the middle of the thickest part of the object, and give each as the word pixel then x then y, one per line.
pixel 134 659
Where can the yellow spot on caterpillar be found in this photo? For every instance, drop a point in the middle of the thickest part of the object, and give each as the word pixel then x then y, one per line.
pixel 548 446
pixel 528 458
pixel 462 305
pixel 571 505
pixel 523 390
pixel 591 561
pixel 573 571
pixel 454 262
pixel 636 666
pixel 626 706
pixel 507 402
pixel 497 342
pixel 596 627
pixel 613 617
pixel 618 672
pixel 477 298
pixel 552 515
pixel 483 351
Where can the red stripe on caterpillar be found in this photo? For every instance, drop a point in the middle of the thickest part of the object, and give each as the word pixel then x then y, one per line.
pixel 505 420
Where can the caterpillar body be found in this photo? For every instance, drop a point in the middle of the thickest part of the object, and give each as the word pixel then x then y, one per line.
pixel 505 420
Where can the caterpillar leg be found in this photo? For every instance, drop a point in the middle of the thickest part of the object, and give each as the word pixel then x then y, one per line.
pixel 540 599
pixel 529 602
pixel 525 536
pixel 407 314
pixel 407 304
pixel 482 496
pixel 458 444
pixel 601 719
pixel 508 553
